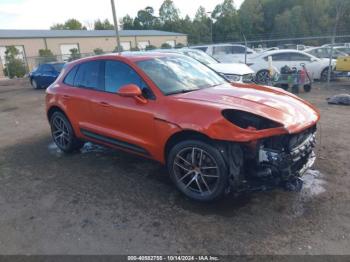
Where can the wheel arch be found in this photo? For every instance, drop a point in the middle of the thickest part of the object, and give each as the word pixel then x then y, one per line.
pixel 182 136
pixel 54 109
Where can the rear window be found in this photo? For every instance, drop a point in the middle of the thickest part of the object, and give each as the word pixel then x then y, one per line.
pixel 69 79
pixel 203 48
pixel 89 75
pixel 58 67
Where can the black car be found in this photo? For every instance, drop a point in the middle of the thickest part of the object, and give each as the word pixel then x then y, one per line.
pixel 45 74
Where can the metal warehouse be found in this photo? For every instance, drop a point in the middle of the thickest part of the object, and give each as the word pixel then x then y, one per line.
pixel 60 42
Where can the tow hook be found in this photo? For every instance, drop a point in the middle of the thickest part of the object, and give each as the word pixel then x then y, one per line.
pixel 295 185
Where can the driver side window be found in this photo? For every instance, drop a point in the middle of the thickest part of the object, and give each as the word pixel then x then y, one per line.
pixel 118 74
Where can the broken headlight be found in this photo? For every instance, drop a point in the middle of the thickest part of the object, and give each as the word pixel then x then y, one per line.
pixel 246 120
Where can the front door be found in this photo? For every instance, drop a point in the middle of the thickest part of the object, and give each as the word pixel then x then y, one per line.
pixel 123 121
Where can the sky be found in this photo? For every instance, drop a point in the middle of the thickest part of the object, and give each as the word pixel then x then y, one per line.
pixel 41 14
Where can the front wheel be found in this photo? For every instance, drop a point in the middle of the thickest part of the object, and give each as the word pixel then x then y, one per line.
pixel 263 77
pixel 198 170
pixel 63 133
pixel 324 75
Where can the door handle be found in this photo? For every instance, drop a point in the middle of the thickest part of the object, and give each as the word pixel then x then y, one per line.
pixel 66 97
pixel 105 104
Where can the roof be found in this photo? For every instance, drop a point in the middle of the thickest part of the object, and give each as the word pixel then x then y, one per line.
pixel 9 33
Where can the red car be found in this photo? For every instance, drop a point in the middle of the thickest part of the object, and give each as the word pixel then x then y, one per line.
pixel 213 136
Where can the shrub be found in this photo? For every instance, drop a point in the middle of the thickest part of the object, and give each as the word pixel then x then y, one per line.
pixel 150 47
pixel 74 54
pixel 166 46
pixel 14 66
pixel 46 55
pixel 179 45
pixel 98 51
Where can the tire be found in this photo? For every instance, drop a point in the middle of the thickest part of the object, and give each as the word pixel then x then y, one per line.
pixel 198 170
pixel 63 133
pixel 263 77
pixel 34 84
pixel 307 88
pixel 324 75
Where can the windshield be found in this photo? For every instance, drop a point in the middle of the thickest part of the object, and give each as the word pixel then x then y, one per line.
pixel 179 74
pixel 201 57
pixel 58 67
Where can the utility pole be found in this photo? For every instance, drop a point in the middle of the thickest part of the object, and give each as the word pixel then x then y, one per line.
pixel 116 26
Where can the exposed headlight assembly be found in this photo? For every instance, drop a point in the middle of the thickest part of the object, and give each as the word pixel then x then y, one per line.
pixel 247 120
pixel 233 78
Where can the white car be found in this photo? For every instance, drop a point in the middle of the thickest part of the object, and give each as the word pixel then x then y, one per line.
pixel 316 67
pixel 226 53
pixel 234 72
pixel 325 52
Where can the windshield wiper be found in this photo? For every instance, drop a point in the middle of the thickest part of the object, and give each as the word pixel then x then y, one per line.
pixel 182 91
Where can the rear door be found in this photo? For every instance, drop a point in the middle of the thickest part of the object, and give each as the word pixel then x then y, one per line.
pixel 80 87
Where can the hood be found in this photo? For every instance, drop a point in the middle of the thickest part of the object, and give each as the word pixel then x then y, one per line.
pixel 287 109
pixel 231 68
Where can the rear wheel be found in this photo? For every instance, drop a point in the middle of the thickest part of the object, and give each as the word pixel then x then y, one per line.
pixel 324 75
pixel 63 133
pixel 34 84
pixel 198 170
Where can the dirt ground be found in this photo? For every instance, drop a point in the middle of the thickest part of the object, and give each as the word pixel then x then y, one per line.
pixel 101 201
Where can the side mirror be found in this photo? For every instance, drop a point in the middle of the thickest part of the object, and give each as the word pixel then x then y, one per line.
pixel 132 90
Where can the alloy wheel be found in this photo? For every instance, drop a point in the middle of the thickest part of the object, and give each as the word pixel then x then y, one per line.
pixel 196 171
pixel 60 132
pixel 263 77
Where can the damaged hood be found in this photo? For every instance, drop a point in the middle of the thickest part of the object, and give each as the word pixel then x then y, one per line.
pixel 275 104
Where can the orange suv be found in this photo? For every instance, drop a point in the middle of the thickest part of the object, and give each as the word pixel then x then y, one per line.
pixel 213 136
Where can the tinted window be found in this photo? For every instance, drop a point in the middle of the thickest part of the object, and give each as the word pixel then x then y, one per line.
pixel 69 79
pixel 281 57
pixel 58 67
pixel 238 49
pixel 118 74
pixel 299 57
pixel 46 68
pixel 204 48
pixel 88 75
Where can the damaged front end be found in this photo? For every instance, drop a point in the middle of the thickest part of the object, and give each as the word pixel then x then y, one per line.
pixel 285 158
pixel 277 161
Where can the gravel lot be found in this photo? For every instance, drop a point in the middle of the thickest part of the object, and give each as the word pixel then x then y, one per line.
pixel 101 201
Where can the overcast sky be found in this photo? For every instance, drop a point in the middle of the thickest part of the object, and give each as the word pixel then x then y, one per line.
pixel 41 14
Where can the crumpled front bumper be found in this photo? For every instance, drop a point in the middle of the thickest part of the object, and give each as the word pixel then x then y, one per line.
pixel 291 163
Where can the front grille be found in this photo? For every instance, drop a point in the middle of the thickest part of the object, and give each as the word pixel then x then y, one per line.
pixel 288 142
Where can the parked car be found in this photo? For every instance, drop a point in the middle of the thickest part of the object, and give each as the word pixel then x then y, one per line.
pixel 234 72
pixel 45 74
pixel 226 53
pixel 325 52
pixel 316 67
pixel 213 135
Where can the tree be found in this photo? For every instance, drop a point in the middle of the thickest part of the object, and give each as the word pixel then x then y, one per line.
pixel 103 25
pixel 226 27
pixel 127 22
pixel 251 18
pixel 202 26
pixel 70 24
pixel 14 66
pixel 168 12
pixel 146 18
